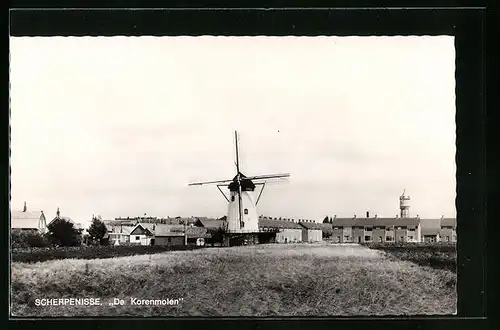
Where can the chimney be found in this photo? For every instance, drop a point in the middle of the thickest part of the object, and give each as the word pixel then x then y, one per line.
pixel 334 217
pixel 355 216
pixel 375 216
pixel 442 216
pixel 24 207
pixel 58 213
pixel 367 214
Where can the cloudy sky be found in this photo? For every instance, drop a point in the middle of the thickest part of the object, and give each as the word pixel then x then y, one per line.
pixel 119 126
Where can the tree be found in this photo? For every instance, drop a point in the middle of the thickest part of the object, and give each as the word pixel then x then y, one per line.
pixel 97 230
pixel 62 232
pixel 325 220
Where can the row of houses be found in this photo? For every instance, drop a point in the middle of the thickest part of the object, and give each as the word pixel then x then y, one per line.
pixel 196 230
pixel 375 229
pixel 157 234
pixel 200 231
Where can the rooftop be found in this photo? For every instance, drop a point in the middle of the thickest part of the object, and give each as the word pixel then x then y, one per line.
pixel 279 224
pixel 372 222
pixel 25 220
pixel 311 225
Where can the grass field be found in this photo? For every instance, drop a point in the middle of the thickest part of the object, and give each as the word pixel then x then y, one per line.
pixel 435 255
pixel 262 280
pixel 30 255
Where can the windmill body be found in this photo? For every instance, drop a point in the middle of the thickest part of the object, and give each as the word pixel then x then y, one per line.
pixel 242 216
pixel 249 217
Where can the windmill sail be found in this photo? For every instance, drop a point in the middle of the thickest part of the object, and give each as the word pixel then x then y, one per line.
pixel 238 175
pixel 209 182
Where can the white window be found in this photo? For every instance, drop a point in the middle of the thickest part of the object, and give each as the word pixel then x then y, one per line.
pixel 137 238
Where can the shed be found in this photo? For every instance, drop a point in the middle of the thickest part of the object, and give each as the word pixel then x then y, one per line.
pixel 169 235
pixel 287 231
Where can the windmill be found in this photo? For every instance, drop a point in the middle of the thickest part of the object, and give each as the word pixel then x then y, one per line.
pixel 242 216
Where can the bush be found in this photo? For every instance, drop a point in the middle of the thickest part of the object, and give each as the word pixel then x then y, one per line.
pixel 28 239
pixel 30 255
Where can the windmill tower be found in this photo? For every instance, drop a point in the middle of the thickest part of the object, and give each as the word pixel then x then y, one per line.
pixel 242 215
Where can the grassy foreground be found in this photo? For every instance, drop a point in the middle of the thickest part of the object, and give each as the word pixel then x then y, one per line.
pixel 263 280
pixel 435 255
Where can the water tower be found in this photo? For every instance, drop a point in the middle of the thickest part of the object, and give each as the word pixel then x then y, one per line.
pixel 404 205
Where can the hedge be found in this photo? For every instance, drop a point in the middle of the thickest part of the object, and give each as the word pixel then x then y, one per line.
pixel 31 255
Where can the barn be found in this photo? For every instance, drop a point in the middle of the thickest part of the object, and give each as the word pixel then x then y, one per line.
pixel 287 231
pixel 311 231
pixel 167 235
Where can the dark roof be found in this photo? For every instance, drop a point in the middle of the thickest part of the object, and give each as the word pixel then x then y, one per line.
pixel 166 230
pixel 197 232
pixel 430 226
pixel 212 223
pixel 430 231
pixel 145 226
pixel 278 224
pixel 371 222
pixel 120 222
pixel 449 222
pixel 311 225
pixel 175 230
pixel 68 219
